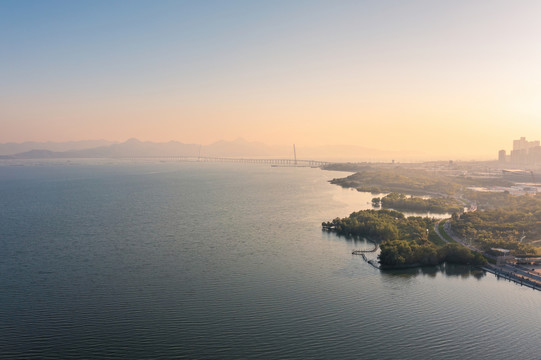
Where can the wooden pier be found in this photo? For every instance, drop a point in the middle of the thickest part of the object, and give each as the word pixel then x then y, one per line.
pixel 361 252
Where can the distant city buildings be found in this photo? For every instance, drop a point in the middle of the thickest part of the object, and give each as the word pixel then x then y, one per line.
pixel 502 156
pixel 524 153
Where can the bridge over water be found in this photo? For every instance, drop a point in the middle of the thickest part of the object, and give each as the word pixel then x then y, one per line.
pixel 271 161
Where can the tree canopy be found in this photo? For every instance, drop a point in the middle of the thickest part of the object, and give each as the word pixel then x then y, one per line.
pixel 505 220
pixel 403 202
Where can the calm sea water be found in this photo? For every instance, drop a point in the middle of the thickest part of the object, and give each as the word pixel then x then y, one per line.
pixel 223 261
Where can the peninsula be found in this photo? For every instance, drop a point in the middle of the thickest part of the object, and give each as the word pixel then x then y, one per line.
pixel 485 220
pixel 404 241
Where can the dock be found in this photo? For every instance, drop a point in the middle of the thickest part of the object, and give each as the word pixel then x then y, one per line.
pixel 362 252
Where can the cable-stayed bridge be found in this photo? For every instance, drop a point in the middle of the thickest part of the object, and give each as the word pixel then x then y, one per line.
pixel 269 161
pixel 292 162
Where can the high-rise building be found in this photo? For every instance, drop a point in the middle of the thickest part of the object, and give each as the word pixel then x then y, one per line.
pixel 524 152
pixel 523 144
pixel 502 156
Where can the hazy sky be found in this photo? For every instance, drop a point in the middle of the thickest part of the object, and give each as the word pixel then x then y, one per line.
pixel 445 77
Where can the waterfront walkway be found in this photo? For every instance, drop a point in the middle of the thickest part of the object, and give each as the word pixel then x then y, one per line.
pixel 360 252
pixel 374 263
pixel 517 274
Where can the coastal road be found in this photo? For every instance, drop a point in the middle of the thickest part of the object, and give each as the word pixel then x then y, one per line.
pixel 437 230
pixel 450 232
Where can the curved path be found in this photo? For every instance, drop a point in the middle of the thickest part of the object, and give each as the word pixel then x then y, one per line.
pixel 437 230
pixel 450 232
pixel 359 252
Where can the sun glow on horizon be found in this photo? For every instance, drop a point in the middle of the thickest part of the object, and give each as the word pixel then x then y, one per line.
pixel 452 79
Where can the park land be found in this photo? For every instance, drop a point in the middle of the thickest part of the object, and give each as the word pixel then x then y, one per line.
pixel 489 211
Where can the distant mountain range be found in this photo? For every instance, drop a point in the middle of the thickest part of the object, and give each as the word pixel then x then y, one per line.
pixel 17 148
pixel 237 148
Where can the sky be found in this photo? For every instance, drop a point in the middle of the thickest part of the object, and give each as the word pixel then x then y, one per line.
pixel 452 78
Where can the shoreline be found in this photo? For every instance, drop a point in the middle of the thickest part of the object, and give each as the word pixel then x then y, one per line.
pixel 513 277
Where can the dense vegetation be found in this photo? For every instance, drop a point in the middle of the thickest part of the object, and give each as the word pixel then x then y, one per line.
pixel 350 167
pixel 500 200
pixel 505 221
pixel 397 253
pixel 502 220
pixel 409 181
pixel 410 203
pixel 382 225
pixel 404 241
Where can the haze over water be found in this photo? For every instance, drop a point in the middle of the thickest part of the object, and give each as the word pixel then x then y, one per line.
pixel 224 261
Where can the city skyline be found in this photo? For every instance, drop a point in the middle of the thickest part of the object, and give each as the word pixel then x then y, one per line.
pixel 523 152
pixel 456 80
